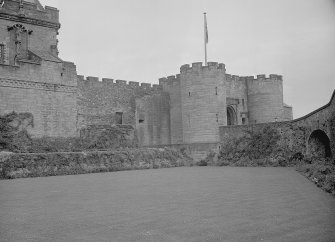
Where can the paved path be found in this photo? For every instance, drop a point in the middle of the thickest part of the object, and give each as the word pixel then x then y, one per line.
pixel 179 204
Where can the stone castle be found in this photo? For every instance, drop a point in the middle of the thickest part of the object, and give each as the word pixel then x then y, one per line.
pixel 187 108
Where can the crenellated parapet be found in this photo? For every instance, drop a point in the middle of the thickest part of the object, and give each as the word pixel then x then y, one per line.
pixel 262 77
pixel 108 82
pixel 30 12
pixel 198 66
pixel 170 80
pixel 230 77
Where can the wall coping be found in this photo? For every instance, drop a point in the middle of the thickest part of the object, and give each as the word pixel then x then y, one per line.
pixel 317 110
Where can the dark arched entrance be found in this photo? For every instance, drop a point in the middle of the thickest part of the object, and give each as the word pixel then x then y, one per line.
pixel 231 116
pixel 319 144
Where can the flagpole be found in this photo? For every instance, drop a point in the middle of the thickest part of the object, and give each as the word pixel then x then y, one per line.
pixel 205 37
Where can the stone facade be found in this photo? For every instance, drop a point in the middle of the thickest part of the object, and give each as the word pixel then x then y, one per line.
pixel 32 77
pixel 110 102
pixel 188 108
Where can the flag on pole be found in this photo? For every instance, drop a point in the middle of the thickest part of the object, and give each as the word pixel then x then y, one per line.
pixel 206 29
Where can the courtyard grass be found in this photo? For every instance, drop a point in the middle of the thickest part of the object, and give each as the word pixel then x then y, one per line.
pixel 178 204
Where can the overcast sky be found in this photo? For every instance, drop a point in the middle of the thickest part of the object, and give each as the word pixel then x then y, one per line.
pixel 143 40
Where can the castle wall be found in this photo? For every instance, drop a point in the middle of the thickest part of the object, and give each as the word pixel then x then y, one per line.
pixel 171 85
pixel 153 119
pixel 321 119
pixel 203 98
pixel 102 102
pixel 53 109
pixel 265 99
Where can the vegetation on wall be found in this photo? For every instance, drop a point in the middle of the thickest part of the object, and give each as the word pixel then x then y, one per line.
pixel 51 164
pixel 91 139
pixel 321 171
pixel 13 134
pixel 15 138
pixel 256 148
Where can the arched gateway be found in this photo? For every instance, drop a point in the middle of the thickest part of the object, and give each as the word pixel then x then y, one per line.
pixel 319 144
pixel 231 116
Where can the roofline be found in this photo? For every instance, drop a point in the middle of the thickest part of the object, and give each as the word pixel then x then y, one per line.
pixel 317 110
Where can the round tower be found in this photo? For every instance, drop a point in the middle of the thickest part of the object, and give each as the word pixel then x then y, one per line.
pixel 265 99
pixel 203 101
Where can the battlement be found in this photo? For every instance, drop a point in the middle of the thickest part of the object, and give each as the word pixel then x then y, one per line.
pixel 30 11
pixel 170 80
pixel 253 78
pixel 198 66
pixel 94 81
pixel 230 77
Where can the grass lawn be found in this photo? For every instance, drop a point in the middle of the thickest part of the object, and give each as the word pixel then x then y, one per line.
pixel 177 204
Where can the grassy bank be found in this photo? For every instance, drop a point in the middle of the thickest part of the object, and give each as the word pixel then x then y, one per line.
pixel 320 171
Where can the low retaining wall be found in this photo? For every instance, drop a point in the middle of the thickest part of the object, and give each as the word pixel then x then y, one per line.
pixel 53 164
pixel 197 151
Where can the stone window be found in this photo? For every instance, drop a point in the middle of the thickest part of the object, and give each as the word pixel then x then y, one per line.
pixel 189 94
pixel 217 118
pixel 2 53
pixel 216 91
pixel 243 121
pixel 118 117
pixel 19 40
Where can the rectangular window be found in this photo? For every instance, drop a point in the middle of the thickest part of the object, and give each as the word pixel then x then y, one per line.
pixel 216 91
pixel 243 103
pixel 217 118
pixel 118 117
pixel 2 53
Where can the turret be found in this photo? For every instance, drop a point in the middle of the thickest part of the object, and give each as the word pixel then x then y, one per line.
pixel 265 98
pixel 203 101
